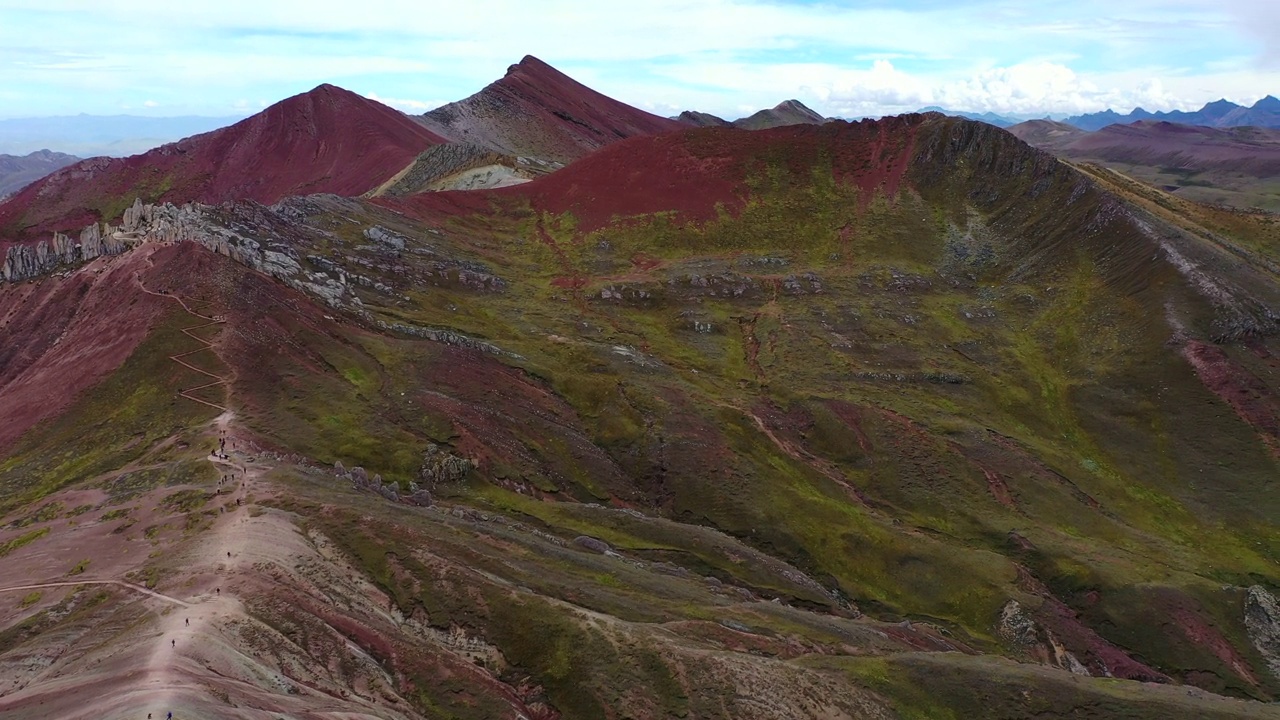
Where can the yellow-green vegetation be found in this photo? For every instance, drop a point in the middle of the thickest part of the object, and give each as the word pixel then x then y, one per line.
pixel 80 567
pixel 186 501
pixel 821 401
pixel 30 599
pixel 880 392
pixel 45 513
pixel 119 421
pixel 26 538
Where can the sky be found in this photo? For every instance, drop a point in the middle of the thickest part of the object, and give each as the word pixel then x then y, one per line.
pixel 728 57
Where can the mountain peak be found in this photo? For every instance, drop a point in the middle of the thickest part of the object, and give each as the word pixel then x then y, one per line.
pixel 1270 103
pixel 290 148
pixel 536 110
pixel 787 112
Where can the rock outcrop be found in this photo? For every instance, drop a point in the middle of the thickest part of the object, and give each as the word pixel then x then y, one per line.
pixel 448 337
pixel 1027 636
pixel 1262 620
pixel 361 482
pixel 167 223
pixel 442 466
pixel 23 262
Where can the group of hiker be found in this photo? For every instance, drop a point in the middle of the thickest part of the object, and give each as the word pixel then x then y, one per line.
pixel 225 479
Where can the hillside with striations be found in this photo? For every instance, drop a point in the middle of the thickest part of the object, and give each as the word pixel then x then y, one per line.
pixel 538 111
pixel 325 140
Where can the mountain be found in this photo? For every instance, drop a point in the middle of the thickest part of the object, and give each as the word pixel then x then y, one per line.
pixel 896 418
pixel 987 117
pixel 700 119
pixel 1193 148
pixel 94 135
pixel 788 112
pixel 1235 166
pixel 537 111
pixel 1220 113
pixel 325 140
pixel 18 172
pixel 1046 134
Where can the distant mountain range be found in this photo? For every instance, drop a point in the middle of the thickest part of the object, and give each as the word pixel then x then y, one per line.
pixel 787 112
pixel 1237 166
pixel 1191 148
pixel 988 117
pixel 1219 114
pixel 94 135
pixel 17 172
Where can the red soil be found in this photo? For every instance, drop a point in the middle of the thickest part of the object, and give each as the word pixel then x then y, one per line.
pixel 327 140
pixel 1090 648
pixel 64 335
pixel 1247 395
pixel 1201 633
pixel 538 110
pixel 695 174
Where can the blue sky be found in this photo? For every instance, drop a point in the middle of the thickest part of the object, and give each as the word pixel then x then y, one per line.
pixel 728 57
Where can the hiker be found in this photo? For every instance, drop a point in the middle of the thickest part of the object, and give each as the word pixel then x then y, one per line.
pixel 173 643
pixel 218 590
pixel 228 554
pixel 188 621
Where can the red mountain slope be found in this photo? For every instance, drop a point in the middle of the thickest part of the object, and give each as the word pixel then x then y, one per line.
pixel 698 172
pixel 538 111
pixel 327 140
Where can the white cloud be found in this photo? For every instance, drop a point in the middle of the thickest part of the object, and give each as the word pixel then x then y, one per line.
pixel 150 103
pixel 713 55
pixel 409 106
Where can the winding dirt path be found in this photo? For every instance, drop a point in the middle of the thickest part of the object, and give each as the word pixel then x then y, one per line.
pixel 205 345
pixel 121 583
pixel 168 676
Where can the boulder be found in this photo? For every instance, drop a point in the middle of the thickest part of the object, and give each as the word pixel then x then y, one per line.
pixel 595 545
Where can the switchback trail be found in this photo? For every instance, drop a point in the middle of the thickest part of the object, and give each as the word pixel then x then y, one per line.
pixel 206 345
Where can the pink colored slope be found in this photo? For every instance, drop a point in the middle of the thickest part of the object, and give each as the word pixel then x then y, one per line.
pixel 327 140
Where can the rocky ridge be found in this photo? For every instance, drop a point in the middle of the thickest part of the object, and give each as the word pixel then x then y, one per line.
pixel 168 223
pixel 23 262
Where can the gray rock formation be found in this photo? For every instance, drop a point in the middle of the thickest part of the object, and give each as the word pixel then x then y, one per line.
pixel 440 466
pixel 1021 631
pixel 595 545
pixel 385 237
pixel 1262 620
pixel 23 262
pixel 448 337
